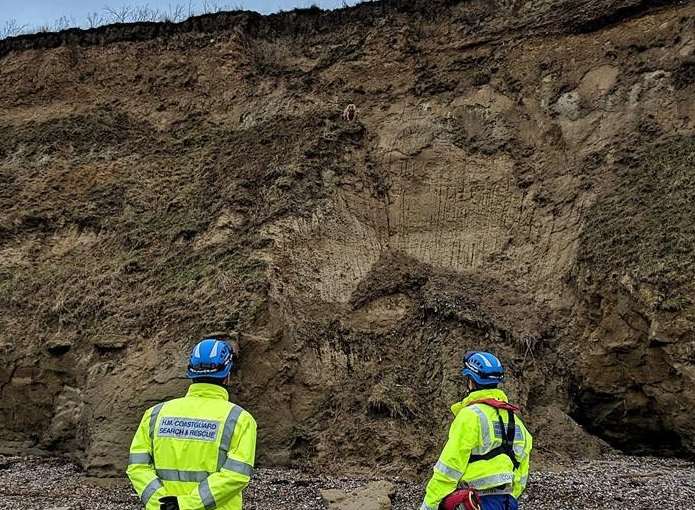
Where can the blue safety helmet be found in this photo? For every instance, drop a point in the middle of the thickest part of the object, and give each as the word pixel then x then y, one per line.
pixel 210 358
pixel 484 368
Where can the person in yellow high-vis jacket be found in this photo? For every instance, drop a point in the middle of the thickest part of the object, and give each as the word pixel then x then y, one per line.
pixel 195 452
pixel 488 448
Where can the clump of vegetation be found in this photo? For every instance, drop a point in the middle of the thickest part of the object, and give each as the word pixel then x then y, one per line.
pixel 676 303
pixel 645 226
pixel 390 399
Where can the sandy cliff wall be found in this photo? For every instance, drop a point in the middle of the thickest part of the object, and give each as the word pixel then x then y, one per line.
pixel 519 177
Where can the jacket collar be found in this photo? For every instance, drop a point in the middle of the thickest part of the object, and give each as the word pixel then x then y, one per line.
pixel 494 393
pixel 206 390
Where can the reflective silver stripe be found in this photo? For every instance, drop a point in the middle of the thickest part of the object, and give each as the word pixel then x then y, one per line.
pixel 206 496
pixel 519 452
pixel 238 467
pixel 492 481
pixel 227 434
pixel 174 475
pixel 484 431
pixel 523 481
pixel 496 492
pixel 450 472
pixel 153 419
pixel 482 450
pixel 518 434
pixel 139 458
pixel 150 490
pixel 425 506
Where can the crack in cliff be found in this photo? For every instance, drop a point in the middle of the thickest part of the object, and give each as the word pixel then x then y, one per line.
pixel 9 379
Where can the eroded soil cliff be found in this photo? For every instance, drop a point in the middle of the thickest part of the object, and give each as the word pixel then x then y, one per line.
pixel 519 177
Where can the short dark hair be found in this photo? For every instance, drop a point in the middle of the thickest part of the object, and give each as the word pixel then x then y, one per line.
pixel 481 386
pixel 209 380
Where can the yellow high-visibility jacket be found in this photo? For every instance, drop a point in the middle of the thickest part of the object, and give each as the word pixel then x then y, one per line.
pixel 476 431
pixel 200 448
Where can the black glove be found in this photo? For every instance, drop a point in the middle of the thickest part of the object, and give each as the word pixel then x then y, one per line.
pixel 168 503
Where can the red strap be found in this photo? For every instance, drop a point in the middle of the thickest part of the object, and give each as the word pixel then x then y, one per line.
pixel 468 498
pixel 497 404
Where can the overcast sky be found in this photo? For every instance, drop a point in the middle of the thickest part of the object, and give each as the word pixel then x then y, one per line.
pixel 35 13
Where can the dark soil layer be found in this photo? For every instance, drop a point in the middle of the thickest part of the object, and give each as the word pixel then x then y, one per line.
pixel 644 226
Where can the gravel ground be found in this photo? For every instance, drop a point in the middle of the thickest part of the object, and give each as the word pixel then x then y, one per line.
pixel 28 483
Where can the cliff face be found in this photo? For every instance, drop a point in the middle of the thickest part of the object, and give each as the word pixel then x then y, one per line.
pixel 519 177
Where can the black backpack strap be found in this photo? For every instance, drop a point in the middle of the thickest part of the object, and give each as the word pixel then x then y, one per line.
pixel 508 438
pixel 507 447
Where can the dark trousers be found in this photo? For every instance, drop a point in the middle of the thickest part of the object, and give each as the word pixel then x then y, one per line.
pixel 498 503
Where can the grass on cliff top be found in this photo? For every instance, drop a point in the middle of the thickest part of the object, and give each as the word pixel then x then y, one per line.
pixel 645 226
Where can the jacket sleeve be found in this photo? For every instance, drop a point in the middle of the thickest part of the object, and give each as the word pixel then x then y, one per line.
pixel 453 460
pixel 140 469
pixel 235 474
pixel 521 474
